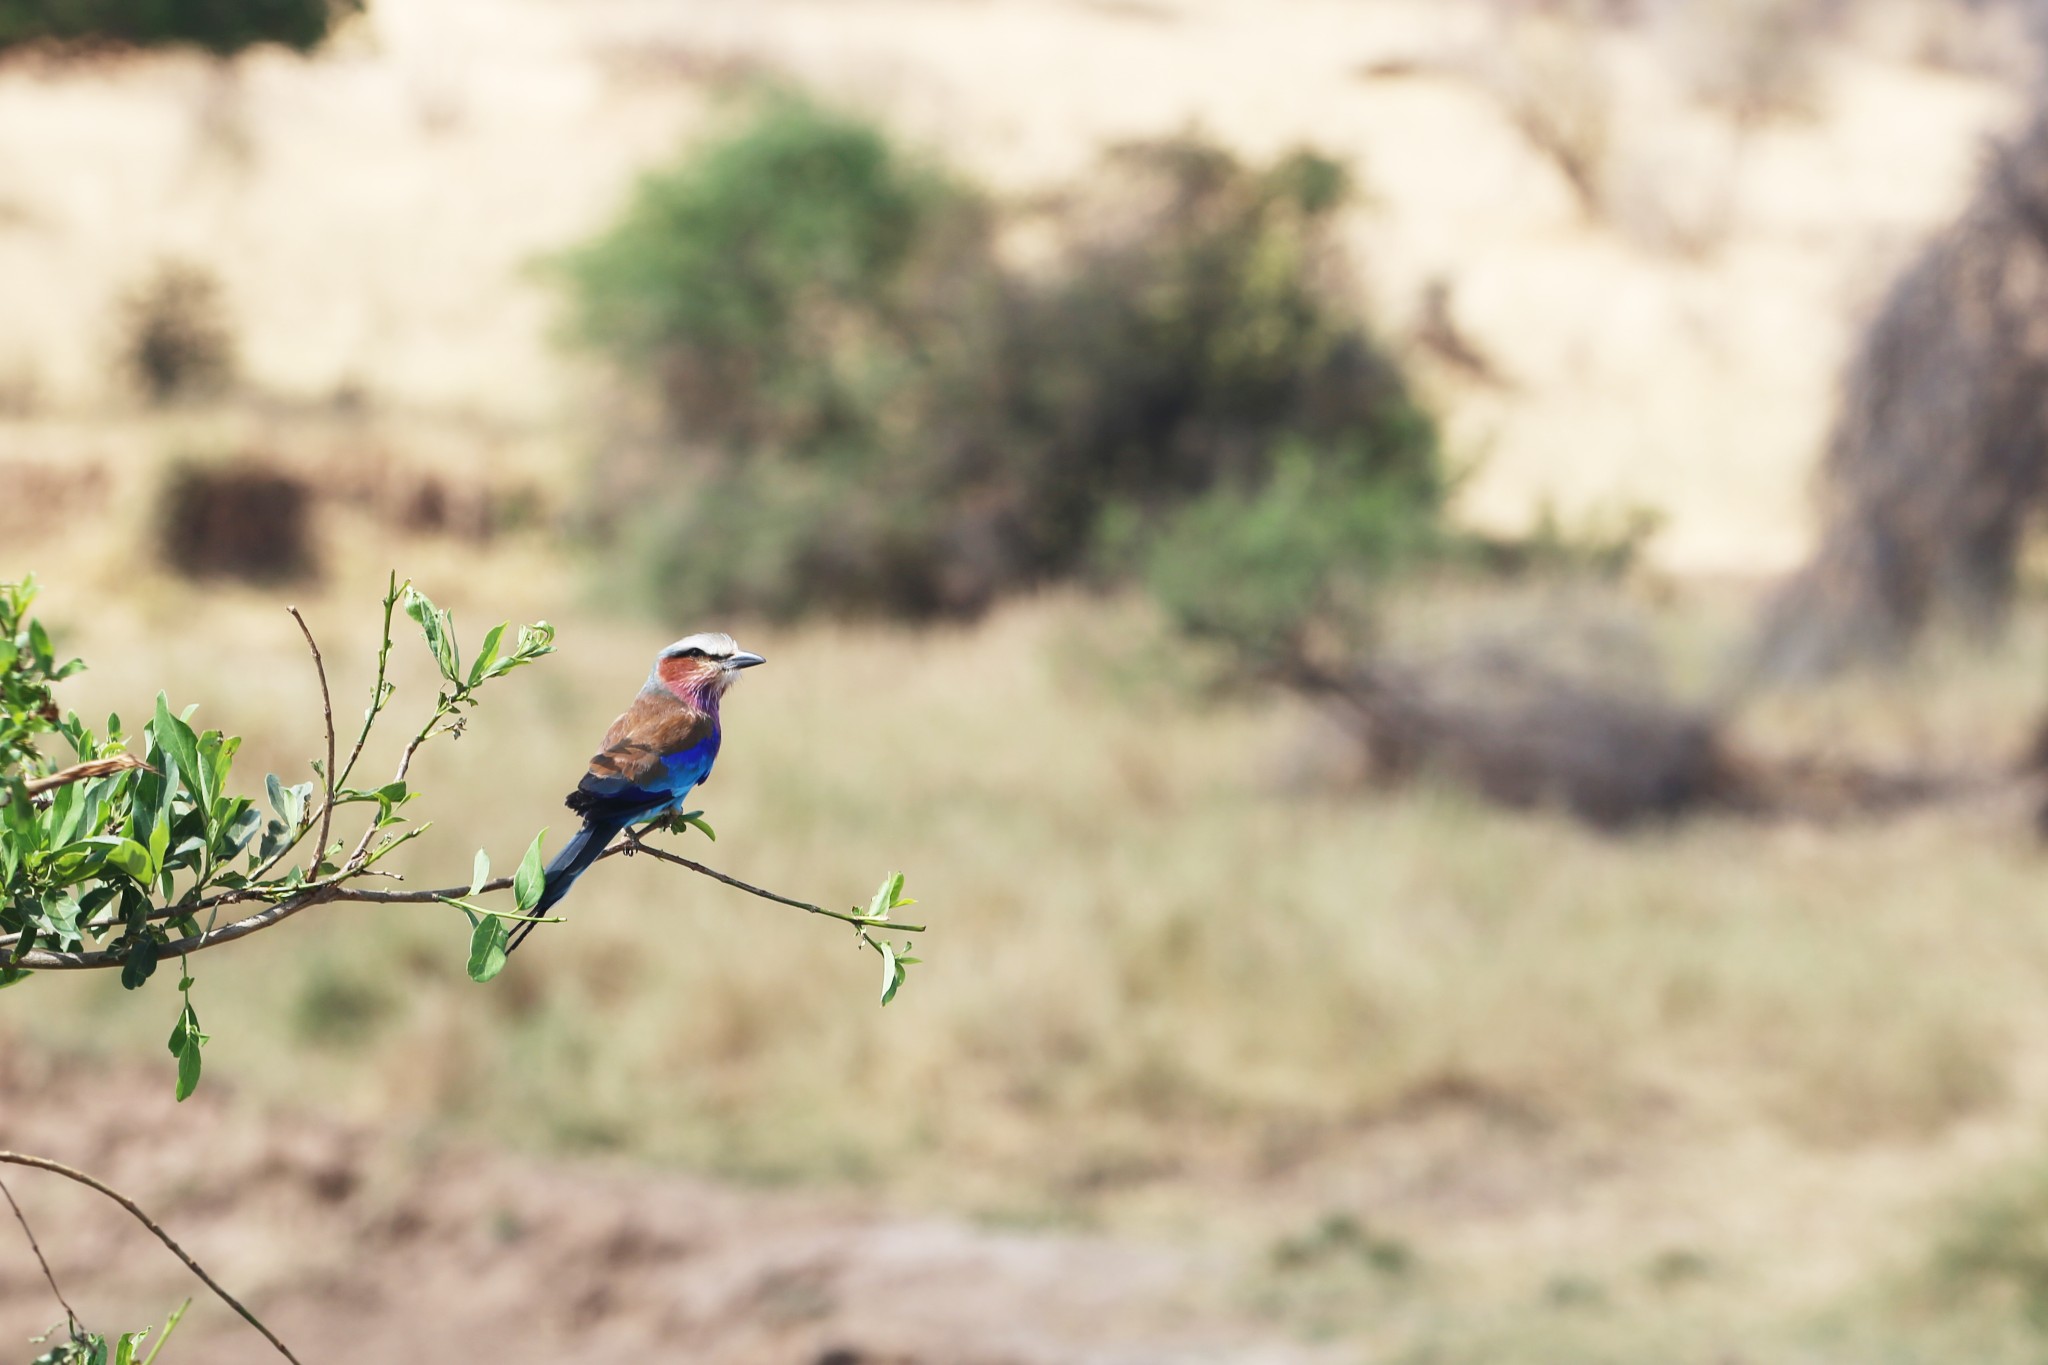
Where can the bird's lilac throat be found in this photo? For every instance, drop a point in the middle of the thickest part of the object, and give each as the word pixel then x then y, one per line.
pixel 693 682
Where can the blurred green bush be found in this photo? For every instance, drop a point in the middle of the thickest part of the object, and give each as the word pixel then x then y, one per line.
pixel 220 26
pixel 869 404
pixel 1995 1246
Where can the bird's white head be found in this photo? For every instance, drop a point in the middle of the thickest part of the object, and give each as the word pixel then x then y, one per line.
pixel 699 668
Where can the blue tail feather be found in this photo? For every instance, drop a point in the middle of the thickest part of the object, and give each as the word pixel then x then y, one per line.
pixel 587 845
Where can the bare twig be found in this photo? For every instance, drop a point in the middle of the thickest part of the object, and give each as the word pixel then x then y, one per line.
pixel 42 1163
pixel 377 689
pixel 633 844
pixel 80 772
pixel 441 709
pixel 70 1314
pixel 327 716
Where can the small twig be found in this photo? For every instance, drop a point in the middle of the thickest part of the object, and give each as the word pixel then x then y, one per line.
pixel 326 715
pixel 354 862
pixel 377 697
pixel 70 1314
pixel 633 843
pixel 42 1163
pixel 80 772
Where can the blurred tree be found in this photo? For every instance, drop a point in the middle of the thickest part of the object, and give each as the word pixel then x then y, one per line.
pixel 223 27
pixel 870 408
pixel 1938 461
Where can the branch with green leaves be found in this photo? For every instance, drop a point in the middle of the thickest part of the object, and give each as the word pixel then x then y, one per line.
pixel 139 851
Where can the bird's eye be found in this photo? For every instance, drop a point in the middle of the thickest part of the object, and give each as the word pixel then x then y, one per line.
pixel 693 653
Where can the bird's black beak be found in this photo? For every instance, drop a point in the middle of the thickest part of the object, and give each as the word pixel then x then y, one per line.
pixel 744 660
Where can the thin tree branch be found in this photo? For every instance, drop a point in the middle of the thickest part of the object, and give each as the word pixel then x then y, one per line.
pixel 633 844
pixel 70 1314
pixel 42 1163
pixel 51 960
pixel 326 715
pixel 333 892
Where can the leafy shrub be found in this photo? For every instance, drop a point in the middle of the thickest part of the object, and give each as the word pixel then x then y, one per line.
pixel 1300 556
pixel 220 26
pixel 869 409
pixel 28 671
pixel 754 284
pixel 140 852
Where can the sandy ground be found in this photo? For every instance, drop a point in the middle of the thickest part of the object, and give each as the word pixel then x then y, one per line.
pixel 354 1247
pixel 377 213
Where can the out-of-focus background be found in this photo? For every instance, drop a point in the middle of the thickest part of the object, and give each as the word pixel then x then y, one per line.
pixel 1437 597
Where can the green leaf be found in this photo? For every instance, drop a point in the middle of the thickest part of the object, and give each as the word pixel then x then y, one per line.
pixel 60 917
pixel 240 831
pixel 140 963
pixel 486 948
pixel 892 973
pixel 175 737
pixel 188 1067
pixel 886 899
pixel 276 838
pixel 481 873
pixel 133 859
pixel 439 628
pixel 479 669
pixel 531 879
pixel 185 1042
pixel 170 1325
pixel 389 798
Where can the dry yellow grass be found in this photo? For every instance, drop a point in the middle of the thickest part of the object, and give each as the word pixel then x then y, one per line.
pixel 1176 981
pixel 1704 1092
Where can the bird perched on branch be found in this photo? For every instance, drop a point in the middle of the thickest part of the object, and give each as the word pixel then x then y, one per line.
pixel 654 754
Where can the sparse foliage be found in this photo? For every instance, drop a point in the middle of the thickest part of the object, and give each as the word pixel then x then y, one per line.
pixel 81 1347
pixel 140 851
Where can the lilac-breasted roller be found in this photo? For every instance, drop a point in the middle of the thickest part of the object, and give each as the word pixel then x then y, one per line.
pixel 654 754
